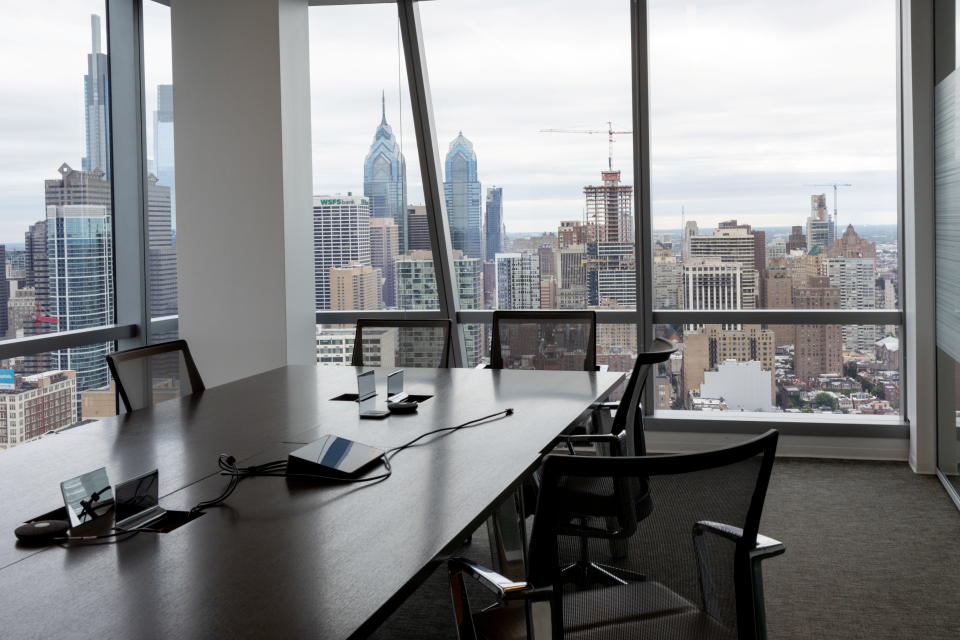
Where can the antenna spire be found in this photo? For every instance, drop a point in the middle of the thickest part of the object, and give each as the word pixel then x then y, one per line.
pixel 383 107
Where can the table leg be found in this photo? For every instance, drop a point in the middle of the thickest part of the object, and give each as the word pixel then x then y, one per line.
pixel 507 531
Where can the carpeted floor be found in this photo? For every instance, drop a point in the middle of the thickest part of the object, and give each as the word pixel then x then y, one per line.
pixel 873 552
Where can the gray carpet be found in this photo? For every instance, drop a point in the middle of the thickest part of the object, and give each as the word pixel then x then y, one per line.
pixel 873 552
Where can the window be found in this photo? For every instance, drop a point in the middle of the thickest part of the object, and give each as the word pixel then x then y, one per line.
pixel 371 240
pixel 56 209
pixel 161 179
pixel 534 190
pixel 774 187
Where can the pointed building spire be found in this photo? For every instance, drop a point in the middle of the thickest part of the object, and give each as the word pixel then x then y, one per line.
pixel 383 107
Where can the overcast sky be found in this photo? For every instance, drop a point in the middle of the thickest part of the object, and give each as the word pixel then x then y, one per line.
pixel 751 99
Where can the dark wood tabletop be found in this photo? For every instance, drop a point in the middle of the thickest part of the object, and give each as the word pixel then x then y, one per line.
pixel 282 558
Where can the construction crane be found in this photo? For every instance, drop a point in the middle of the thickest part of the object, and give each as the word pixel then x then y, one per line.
pixel 836 186
pixel 609 131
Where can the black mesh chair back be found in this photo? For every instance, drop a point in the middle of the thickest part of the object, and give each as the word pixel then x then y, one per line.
pixel 688 560
pixel 544 340
pixel 629 415
pixel 152 374
pixel 401 343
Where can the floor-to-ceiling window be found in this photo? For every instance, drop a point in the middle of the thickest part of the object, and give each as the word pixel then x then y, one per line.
pixel 56 209
pixel 774 188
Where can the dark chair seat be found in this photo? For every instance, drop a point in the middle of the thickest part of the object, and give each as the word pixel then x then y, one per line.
pixel 637 610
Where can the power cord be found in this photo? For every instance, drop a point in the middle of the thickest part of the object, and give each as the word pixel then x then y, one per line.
pixel 278 468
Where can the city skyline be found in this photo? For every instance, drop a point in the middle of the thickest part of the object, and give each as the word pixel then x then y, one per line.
pixel 542 172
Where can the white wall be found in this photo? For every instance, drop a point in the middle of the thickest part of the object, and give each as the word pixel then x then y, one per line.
pixel 243 171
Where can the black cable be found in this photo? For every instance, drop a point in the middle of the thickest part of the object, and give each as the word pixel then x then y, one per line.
pixel 116 533
pixel 278 468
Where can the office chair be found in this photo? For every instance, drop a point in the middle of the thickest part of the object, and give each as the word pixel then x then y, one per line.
pixel 699 550
pixel 416 343
pixel 151 374
pixel 626 437
pixel 545 340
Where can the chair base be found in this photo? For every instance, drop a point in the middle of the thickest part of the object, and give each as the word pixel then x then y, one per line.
pixel 584 573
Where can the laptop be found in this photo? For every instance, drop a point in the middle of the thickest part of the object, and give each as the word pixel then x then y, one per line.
pixel 138 501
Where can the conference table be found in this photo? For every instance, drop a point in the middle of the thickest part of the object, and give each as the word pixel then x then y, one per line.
pixel 280 558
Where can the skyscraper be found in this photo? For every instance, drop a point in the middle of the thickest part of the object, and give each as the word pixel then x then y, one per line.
pixel 163 255
pixel 493 223
pixel 518 281
pixel 341 234
pixel 851 265
pixel 96 100
pixel 385 178
pixel 384 247
pixel 163 155
pixel 461 189
pixel 418 230
pixel 732 245
pixel 417 289
pixel 609 209
pixel 712 284
pixel 821 231
pixel 80 280
pixel 819 347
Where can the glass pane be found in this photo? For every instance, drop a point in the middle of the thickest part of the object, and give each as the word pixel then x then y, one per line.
pixel 782 368
pixel 55 193
pixel 538 170
pixel 371 244
pixel 768 170
pixel 39 393
pixel 161 181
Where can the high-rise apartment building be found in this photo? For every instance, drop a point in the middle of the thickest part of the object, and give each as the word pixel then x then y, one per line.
pixel 518 281
pixel 341 235
pixel 39 403
pixel 731 245
pixel 417 289
pixel 80 281
pixel 667 278
pixel 493 224
pixel 163 153
pixel 354 286
pixel 384 248
pixel 819 347
pixel 96 102
pixel 712 284
pixel 385 179
pixel 778 290
pixel 461 189
pixel 851 265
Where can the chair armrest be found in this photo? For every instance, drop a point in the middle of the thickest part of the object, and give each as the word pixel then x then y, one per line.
pixel 504 588
pixel 766 547
pixel 615 441
pixel 608 405
pixel 543 618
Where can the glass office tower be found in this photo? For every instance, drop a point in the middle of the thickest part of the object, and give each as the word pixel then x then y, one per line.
pixel 80 281
pixel 96 96
pixel 461 188
pixel 385 179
